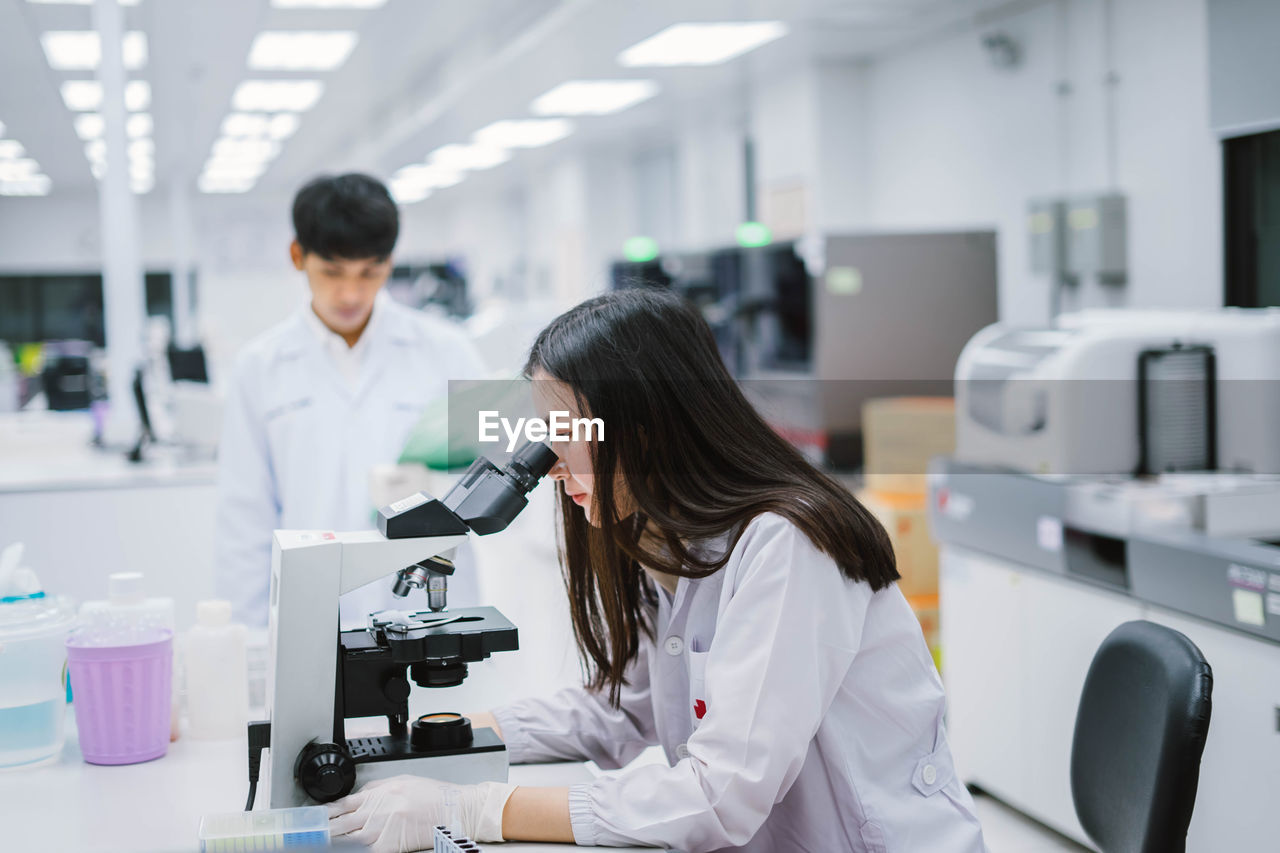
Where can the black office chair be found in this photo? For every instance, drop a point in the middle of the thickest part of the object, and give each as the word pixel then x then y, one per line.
pixel 1140 731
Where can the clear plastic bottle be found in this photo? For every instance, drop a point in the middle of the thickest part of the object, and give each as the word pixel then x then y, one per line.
pixel 217 674
pixel 128 617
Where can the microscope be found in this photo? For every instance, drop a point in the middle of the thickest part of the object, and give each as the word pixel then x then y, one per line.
pixel 320 676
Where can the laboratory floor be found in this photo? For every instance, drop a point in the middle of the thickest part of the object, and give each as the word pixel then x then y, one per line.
pixel 1009 831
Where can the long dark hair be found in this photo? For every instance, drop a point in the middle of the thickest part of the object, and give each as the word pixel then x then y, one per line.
pixel 697 459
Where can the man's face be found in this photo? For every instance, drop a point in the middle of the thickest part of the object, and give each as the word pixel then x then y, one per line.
pixel 342 290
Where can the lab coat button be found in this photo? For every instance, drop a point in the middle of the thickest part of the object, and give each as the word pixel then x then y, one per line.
pixel 929 773
pixel 682 751
pixel 674 646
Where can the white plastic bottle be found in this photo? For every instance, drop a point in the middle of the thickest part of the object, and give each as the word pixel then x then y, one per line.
pixel 217 674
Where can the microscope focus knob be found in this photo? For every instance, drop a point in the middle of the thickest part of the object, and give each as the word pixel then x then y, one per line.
pixel 325 771
pixel 396 689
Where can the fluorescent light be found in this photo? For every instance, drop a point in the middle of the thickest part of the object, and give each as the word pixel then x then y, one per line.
pixel 86 95
pixel 210 184
pixel 142 149
pixel 139 125
pixel 96 151
pixel 98 169
pixel 701 44
pixel 89 126
pixel 76 2
pixel 301 51
pixel 468 157
pixel 283 125
pixel 81 50
pixel 431 177
pixel 408 193
pixel 523 133
pixel 327 4
pixel 82 95
pixel 277 95
pixel 142 185
pixel 18 170
pixel 11 149
pixel 137 96
pixel 233 171
pixel 33 186
pixel 245 149
pixel 593 97
pixel 141 171
pixel 245 125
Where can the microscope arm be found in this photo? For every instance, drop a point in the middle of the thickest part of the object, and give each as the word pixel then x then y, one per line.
pixel 367 556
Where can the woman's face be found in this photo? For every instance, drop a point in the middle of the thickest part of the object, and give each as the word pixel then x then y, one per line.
pixel 573 468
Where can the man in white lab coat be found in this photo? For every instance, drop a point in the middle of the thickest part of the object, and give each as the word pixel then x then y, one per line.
pixel 321 398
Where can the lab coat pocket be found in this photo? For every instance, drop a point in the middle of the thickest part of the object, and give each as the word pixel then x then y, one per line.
pixel 697 686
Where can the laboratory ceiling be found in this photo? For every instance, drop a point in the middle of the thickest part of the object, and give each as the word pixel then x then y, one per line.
pixel 423 73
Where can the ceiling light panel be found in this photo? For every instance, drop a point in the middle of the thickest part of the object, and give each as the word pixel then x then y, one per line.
pixel 593 97
pixel 300 51
pixel 213 184
pixel 245 149
pixel 81 50
pixel 86 95
pixel 139 125
pixel 283 125
pixel 328 4
pixel 429 177
pixel 245 125
pixel 34 186
pixel 76 2
pixel 701 44
pixel 277 95
pixel 11 149
pixel 472 157
pixel 89 126
pixel 21 169
pixel 523 133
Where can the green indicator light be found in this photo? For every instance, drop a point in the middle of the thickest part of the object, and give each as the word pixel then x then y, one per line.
pixel 639 250
pixel 753 234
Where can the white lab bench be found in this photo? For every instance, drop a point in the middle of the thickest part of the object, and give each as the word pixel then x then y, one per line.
pixel 84 512
pixel 156 806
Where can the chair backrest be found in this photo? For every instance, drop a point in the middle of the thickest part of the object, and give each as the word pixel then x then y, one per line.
pixel 1140 732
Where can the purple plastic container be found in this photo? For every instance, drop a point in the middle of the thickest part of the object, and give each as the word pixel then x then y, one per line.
pixel 122 698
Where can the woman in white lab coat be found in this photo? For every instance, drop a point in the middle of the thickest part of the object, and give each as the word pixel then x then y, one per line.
pixel 733 605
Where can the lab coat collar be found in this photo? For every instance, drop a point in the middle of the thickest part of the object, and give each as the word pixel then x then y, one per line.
pixel 371 342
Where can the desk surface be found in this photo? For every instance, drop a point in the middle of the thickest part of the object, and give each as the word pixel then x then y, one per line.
pixel 50 451
pixel 156 807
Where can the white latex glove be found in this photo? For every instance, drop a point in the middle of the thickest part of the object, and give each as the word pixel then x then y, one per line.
pixel 400 814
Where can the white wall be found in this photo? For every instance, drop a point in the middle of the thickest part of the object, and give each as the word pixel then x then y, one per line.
pixel 955 142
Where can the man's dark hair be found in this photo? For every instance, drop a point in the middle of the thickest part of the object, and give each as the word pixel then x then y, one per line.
pixel 351 217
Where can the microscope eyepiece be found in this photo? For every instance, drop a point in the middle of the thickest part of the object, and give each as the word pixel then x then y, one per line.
pixel 530 463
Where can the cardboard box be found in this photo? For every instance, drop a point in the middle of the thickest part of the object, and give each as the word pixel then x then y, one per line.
pixel 905 519
pixel 900 435
pixel 926 609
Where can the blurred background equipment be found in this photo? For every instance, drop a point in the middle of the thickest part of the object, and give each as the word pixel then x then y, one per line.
pixel 1092 485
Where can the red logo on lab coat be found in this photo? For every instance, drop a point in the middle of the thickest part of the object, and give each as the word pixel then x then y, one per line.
pixel 699 709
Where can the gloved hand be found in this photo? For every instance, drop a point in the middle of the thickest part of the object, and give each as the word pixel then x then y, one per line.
pixel 399 814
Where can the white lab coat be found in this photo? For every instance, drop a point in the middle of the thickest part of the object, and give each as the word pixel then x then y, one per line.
pixel 298 442
pixel 821 719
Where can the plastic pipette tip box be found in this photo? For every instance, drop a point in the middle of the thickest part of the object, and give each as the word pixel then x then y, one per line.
pixel 447 842
pixel 271 829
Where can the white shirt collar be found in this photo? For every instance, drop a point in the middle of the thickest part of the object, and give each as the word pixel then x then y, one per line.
pixel 347 359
